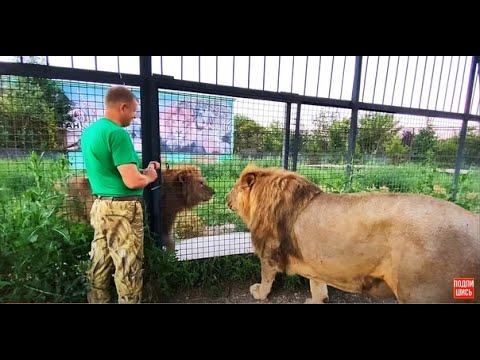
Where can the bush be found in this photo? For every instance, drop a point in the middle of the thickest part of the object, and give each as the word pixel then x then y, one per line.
pixel 43 257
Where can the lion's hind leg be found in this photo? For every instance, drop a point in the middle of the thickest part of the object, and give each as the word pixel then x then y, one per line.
pixel 319 292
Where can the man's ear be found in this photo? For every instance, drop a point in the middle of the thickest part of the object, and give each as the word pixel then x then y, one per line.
pixel 249 179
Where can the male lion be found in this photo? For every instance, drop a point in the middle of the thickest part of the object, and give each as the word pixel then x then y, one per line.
pixel 410 244
pixel 183 187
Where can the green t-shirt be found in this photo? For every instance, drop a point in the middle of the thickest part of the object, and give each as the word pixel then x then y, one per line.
pixel 106 145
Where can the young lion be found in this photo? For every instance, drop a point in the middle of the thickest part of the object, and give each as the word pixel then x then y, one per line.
pixel 182 187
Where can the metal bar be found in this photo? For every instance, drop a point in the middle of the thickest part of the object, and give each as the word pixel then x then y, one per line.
pixel 412 111
pixel 440 82
pixel 471 111
pixel 414 79
pixel 181 67
pixel 71 62
pixel 286 136
pixel 405 82
pixel 233 72
pixel 161 65
pixel 278 76
pixel 264 67
pixel 461 86
pixel 477 81
pixel 48 62
pixel 365 79
pixel 455 83
pixel 95 59
pixel 343 74
pixel 423 80
pixel 448 80
pixel 306 73
pixel 199 70
pixel 352 134
pixel 318 79
pixel 296 141
pixel 375 82
pixel 291 80
pixel 331 74
pixel 150 142
pixel 395 81
pixel 216 68
pixel 21 59
pixel 248 86
pixel 169 83
pixel 463 132
pixel 386 79
pixel 64 73
pixel 431 81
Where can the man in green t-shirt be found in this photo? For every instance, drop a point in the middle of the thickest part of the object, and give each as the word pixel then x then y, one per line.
pixel 112 168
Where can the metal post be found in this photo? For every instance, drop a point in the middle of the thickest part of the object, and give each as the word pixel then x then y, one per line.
pixel 286 136
pixel 463 132
pixel 352 135
pixel 296 141
pixel 150 142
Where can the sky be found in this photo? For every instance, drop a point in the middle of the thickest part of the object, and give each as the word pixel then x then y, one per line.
pixel 395 80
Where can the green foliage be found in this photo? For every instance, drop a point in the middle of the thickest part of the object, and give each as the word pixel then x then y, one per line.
pixel 396 151
pixel 32 112
pixel 375 132
pixel 164 275
pixel 43 257
pixel 425 144
pixel 338 139
pixel 273 138
pixel 247 134
pixel 446 154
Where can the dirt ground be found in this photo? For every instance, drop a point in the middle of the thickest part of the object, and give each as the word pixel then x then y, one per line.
pixel 239 294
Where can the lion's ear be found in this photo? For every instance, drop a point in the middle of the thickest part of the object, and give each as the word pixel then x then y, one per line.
pixel 249 179
pixel 182 176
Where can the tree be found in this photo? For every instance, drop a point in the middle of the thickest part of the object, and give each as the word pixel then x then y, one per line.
pixel 425 143
pixel 248 134
pixel 446 150
pixel 396 150
pixel 314 142
pixel 273 138
pixel 32 112
pixel 338 136
pixel 375 132
pixel 407 138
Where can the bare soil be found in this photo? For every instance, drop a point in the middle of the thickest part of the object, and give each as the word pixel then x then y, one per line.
pixel 239 294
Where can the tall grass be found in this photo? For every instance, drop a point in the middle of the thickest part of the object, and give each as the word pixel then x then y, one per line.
pixel 43 257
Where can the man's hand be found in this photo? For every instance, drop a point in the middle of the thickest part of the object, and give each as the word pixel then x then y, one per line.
pixel 154 164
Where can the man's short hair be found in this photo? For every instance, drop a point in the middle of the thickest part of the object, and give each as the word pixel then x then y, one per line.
pixel 119 94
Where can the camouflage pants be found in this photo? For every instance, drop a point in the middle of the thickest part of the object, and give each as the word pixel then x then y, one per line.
pixel 117 245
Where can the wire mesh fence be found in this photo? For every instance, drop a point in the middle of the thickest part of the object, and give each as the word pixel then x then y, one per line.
pixel 220 135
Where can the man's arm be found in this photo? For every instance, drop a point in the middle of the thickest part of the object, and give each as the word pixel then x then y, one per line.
pixel 133 179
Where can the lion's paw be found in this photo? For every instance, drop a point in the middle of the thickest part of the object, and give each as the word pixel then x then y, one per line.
pixel 255 291
pixel 314 301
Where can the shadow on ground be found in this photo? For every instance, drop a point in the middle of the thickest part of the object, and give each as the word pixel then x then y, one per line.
pixel 239 294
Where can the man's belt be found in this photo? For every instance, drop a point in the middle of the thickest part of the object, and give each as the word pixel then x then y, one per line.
pixel 121 198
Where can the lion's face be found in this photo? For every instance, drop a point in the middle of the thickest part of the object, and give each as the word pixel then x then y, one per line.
pixel 238 199
pixel 196 188
pixel 185 187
